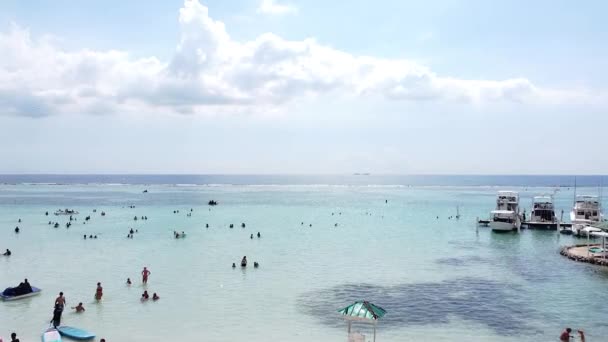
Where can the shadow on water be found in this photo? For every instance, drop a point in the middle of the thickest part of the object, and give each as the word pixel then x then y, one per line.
pixel 500 307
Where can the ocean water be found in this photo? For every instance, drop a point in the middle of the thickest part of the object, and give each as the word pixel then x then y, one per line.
pixel 440 279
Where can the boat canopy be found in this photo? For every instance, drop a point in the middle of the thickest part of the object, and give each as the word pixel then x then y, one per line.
pixel 363 310
pixel 543 199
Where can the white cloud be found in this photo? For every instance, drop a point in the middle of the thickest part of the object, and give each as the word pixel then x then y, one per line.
pixel 273 7
pixel 212 73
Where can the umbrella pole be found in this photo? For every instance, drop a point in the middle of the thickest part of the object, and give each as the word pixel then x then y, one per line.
pixel 374 333
pixel 349 324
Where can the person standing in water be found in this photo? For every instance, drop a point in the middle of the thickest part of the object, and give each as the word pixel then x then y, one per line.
pixel 57 315
pixel 144 274
pixel 79 308
pixel 60 300
pixel 98 292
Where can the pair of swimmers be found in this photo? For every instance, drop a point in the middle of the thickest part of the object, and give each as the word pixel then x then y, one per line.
pixel 146 296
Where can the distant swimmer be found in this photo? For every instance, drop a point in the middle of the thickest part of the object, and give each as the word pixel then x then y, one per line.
pixel 19 221
pixel 251 237
pixel 14 337
pixel 242 225
pixel 79 308
pixel 98 292
pixel 46 214
pixel 85 236
pixel 231 225
pixel 8 252
pixel 259 235
pixel 17 230
pixel 145 273
pixel 128 281
pixel 91 236
pixel 131 231
pixel 155 296
pixel 95 237
pixel 255 264
pixel 244 262
pixel 207 225
pixel 145 296
pixel 233 265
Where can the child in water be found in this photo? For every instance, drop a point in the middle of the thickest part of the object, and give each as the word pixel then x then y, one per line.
pixel 79 308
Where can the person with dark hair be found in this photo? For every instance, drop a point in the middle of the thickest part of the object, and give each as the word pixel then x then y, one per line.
pixel 565 336
pixel 8 252
pixel 79 308
pixel 57 316
pixel 14 337
pixel 60 300
pixel 98 292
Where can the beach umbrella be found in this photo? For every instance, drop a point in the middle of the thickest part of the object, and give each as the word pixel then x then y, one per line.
pixel 362 311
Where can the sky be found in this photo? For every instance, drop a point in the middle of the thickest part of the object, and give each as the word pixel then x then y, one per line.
pixel 298 87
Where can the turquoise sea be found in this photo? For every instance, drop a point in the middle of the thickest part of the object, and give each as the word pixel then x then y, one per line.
pixel 439 279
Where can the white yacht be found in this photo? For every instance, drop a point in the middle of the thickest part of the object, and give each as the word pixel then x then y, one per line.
pixel 542 215
pixel 506 215
pixel 587 210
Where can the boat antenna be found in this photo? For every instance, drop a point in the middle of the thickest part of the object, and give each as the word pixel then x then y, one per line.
pixel 574 189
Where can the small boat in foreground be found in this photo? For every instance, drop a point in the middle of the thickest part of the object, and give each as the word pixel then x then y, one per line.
pixel 75 333
pixel 35 291
pixel 51 335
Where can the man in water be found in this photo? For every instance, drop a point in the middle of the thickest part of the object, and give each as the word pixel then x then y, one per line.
pixel 60 300
pixel 8 252
pixel 565 336
pixel 145 273
pixel 98 292
pixel 79 308
pixel 14 338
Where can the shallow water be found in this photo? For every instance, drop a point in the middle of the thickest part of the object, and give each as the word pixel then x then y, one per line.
pixel 439 279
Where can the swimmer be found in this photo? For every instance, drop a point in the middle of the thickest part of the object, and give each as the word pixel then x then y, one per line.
pixel 145 273
pixel 85 236
pixel 233 265
pixel 95 237
pixel 255 264
pixel 14 337
pixel 7 253
pixel 128 281
pixel 19 221
pixel 16 229
pixel 259 235
pixel 98 292
pixel 155 296
pixel 79 308
pixel 207 225
pixel 244 261
pixel 242 225
pixel 145 296
pixel 251 237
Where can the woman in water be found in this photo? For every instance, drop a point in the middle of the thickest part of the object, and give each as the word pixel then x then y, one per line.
pixel 98 292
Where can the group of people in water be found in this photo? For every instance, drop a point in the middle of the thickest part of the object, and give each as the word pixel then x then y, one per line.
pixel 244 263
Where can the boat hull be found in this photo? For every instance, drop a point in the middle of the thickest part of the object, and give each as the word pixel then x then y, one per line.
pixel 498 226
pixel 35 291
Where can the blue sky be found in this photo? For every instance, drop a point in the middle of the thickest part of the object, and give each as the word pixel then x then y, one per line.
pixel 261 86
